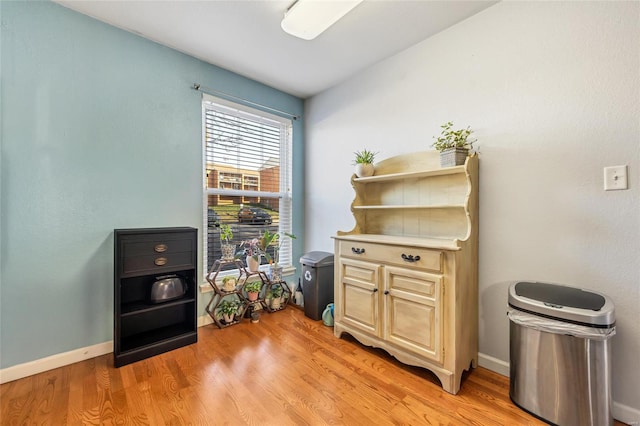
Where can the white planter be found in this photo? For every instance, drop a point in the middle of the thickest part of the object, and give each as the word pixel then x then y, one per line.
pixel 229 284
pixel 453 157
pixel 252 264
pixel 275 303
pixel 276 273
pixel 228 251
pixel 228 318
pixel 364 169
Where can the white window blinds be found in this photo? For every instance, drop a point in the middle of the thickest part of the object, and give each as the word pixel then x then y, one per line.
pixel 248 173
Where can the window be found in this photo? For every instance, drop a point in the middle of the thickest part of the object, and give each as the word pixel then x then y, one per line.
pixel 247 171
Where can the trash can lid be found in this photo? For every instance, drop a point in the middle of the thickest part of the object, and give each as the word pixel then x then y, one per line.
pixel 317 258
pixel 564 303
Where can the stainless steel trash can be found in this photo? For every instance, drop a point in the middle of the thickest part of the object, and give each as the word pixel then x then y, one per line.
pixel 317 282
pixel 560 356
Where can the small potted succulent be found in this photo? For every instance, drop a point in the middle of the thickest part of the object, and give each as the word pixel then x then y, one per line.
pixel 226 235
pixel 229 283
pixel 454 145
pixel 253 289
pixel 364 163
pixel 228 309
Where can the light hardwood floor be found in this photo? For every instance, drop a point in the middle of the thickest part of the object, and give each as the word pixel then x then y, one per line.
pixel 284 370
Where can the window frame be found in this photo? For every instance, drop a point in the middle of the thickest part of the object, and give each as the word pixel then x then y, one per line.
pixel 285 194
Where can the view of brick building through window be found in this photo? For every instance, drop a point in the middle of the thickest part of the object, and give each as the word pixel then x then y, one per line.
pixel 265 179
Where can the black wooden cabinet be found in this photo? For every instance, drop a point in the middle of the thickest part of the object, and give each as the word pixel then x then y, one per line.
pixel 143 327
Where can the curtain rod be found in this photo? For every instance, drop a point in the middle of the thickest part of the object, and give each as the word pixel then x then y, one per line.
pixel 210 91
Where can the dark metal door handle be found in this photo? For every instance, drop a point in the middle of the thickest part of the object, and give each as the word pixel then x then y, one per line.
pixel 357 250
pixel 410 257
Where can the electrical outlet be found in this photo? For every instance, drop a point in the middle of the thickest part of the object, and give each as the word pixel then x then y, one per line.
pixel 615 178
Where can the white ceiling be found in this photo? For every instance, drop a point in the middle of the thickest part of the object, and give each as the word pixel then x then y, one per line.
pixel 244 36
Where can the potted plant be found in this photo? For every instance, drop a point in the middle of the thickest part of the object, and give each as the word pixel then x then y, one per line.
pixel 253 289
pixel 252 251
pixel 229 283
pixel 228 309
pixel 255 248
pixel 276 240
pixel 276 293
pixel 364 163
pixel 454 145
pixel 226 235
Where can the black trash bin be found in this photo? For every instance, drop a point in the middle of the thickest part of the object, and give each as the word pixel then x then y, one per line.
pixel 560 356
pixel 317 282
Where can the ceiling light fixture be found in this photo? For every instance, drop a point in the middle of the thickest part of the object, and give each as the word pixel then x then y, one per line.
pixel 307 19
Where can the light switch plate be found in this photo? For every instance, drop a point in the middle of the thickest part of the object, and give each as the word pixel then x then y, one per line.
pixel 615 178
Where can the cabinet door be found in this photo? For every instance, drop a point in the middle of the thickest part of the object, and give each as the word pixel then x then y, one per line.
pixel 358 295
pixel 412 305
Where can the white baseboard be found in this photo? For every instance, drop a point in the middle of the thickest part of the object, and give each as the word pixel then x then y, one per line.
pixel 54 361
pixel 204 320
pixel 626 414
pixel 30 368
pixel 494 364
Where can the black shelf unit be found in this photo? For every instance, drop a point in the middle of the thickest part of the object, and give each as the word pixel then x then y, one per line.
pixel 141 328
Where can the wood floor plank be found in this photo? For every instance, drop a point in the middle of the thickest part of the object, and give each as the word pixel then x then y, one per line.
pixel 284 370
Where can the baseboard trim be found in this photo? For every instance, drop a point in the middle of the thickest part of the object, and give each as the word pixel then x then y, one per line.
pixel 494 364
pixel 626 414
pixel 54 361
pixel 204 320
pixel 30 368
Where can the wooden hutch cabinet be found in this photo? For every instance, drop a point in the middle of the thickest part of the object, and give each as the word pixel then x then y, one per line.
pixel 406 277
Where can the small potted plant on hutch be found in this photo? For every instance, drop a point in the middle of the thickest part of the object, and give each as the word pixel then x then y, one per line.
pixel 364 163
pixel 226 235
pixel 228 308
pixel 253 289
pixel 454 145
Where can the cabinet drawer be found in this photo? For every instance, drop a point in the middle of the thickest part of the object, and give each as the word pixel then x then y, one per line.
pixel 158 244
pixel 393 255
pixel 158 263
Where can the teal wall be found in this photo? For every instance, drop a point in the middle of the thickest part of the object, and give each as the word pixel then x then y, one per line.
pixel 100 130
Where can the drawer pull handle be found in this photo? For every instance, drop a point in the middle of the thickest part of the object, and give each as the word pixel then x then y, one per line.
pixel 357 250
pixel 410 257
pixel 160 248
pixel 375 290
pixel 160 261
